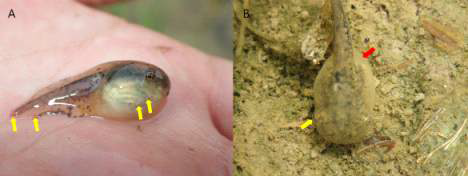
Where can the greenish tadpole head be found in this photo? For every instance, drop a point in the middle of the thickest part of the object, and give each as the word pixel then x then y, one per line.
pixel 133 85
pixel 116 90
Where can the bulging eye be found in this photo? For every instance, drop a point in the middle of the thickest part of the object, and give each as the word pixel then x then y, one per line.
pixel 150 75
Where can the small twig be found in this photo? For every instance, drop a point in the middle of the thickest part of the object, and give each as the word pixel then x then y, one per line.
pixel 463 167
pixel 450 142
pixel 241 37
pixel 441 135
pixel 427 124
pixel 446 144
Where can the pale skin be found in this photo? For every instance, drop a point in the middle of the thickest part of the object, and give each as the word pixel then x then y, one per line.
pixel 52 40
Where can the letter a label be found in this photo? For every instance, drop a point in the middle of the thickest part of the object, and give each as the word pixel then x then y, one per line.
pixel 11 14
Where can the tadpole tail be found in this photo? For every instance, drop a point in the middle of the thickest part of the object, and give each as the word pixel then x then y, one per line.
pixel 33 109
pixel 342 37
pixel 41 106
pixel 28 109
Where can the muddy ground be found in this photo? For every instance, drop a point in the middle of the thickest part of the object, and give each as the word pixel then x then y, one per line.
pixel 422 92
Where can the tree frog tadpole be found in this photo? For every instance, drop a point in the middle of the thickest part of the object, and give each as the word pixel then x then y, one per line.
pixel 111 90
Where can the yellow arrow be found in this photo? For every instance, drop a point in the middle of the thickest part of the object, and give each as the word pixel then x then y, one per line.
pixel 140 115
pixel 306 124
pixel 150 109
pixel 36 124
pixel 13 124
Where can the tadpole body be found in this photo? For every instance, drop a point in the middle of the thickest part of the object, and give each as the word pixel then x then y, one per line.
pixel 111 90
pixel 344 89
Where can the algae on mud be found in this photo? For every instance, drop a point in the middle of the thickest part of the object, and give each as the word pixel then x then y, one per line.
pixel 422 95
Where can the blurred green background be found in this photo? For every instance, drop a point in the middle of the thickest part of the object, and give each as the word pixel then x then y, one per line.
pixel 203 24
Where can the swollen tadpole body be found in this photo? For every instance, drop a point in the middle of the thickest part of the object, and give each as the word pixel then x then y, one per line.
pixel 111 90
pixel 344 90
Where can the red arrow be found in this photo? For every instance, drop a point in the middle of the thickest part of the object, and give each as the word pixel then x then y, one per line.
pixel 368 53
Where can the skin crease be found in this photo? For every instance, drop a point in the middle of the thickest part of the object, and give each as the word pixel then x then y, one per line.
pixel 52 40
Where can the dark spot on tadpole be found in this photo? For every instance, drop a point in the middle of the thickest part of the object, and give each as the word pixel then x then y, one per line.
pixel 366 40
pixel 337 76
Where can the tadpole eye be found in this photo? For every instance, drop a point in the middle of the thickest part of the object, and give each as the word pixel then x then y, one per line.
pixel 150 75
